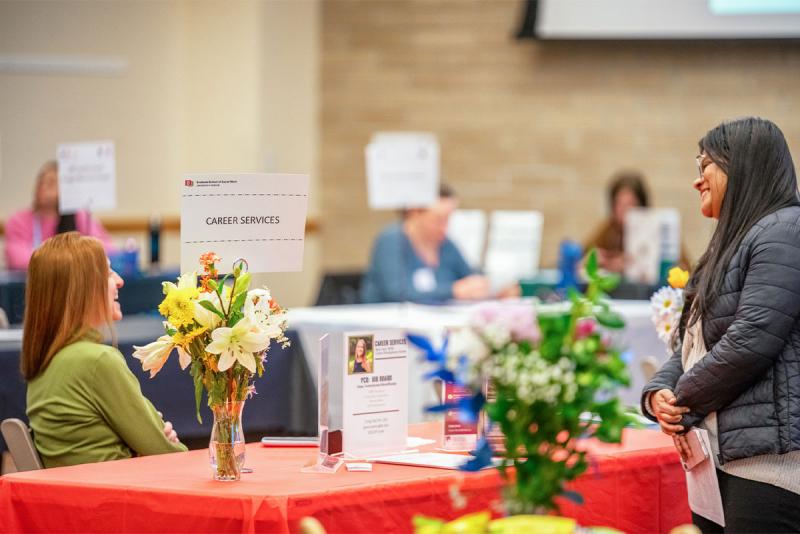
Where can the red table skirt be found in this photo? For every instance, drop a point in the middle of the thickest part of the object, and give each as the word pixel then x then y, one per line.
pixel 636 487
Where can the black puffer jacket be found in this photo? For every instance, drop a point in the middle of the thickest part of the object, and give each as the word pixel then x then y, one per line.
pixel 751 374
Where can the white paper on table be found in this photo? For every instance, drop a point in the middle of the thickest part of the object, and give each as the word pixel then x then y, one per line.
pixel 467 229
pixel 358 466
pixel 87 176
pixel 439 460
pixel 703 487
pixel 413 442
pixel 259 217
pixel 515 242
pixel 402 170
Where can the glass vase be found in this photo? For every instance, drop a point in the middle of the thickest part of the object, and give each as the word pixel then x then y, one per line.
pixel 226 448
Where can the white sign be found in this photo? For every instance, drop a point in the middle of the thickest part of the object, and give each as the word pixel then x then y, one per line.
pixel 375 393
pixel 402 170
pixel 515 241
pixel 652 236
pixel 258 217
pixel 467 229
pixel 87 176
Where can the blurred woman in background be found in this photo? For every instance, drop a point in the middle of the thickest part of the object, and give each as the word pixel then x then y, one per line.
pixel 83 402
pixel 27 229
pixel 415 261
pixel 627 190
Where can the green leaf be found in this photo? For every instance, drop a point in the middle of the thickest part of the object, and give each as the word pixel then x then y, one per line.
pixel 210 307
pixel 243 283
pixel 221 284
pixel 235 318
pixel 610 319
pixel 198 389
pixel 591 264
pixel 608 282
pixel 238 304
pixel 213 285
pixel 573 295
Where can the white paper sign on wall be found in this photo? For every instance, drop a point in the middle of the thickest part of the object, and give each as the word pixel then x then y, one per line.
pixel 402 170
pixel 259 217
pixel 87 176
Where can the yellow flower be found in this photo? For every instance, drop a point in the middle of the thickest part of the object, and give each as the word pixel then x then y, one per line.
pixel 678 278
pixel 185 339
pixel 178 306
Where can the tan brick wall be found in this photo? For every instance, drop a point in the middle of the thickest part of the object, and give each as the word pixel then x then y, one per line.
pixel 528 125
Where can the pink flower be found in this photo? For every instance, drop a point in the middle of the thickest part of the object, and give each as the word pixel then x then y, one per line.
pixel 585 328
pixel 518 318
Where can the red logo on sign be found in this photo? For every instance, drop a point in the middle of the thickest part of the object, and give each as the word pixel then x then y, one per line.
pixel 188 183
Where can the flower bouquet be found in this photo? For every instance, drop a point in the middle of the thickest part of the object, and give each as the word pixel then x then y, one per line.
pixel 221 331
pixel 667 304
pixel 553 376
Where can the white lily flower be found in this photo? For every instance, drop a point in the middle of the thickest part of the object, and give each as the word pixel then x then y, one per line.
pixel 155 354
pixel 184 358
pixel 237 344
pixel 262 294
pixel 260 314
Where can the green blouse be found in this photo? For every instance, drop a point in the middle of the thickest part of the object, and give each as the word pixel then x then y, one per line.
pixel 87 406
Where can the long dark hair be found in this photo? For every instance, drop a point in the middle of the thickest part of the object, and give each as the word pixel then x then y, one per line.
pixel 632 180
pixel 761 180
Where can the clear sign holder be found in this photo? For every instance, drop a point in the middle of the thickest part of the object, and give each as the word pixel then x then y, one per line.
pixel 329 459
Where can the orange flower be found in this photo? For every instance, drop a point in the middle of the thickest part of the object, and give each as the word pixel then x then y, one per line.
pixel 208 260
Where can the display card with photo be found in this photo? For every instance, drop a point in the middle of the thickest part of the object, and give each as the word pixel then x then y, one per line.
pixel 375 392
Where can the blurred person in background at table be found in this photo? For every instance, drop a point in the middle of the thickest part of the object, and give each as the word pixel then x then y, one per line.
pixel 627 190
pixel 83 402
pixel 413 260
pixel 736 367
pixel 27 229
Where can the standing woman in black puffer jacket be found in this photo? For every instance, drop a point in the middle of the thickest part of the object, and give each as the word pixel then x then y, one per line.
pixel 736 367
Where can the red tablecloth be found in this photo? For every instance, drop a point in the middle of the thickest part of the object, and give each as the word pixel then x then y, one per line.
pixel 636 487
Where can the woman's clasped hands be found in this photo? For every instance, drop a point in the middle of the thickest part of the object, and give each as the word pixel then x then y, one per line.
pixel 664 406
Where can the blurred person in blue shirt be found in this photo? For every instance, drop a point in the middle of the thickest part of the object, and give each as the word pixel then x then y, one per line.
pixel 413 260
